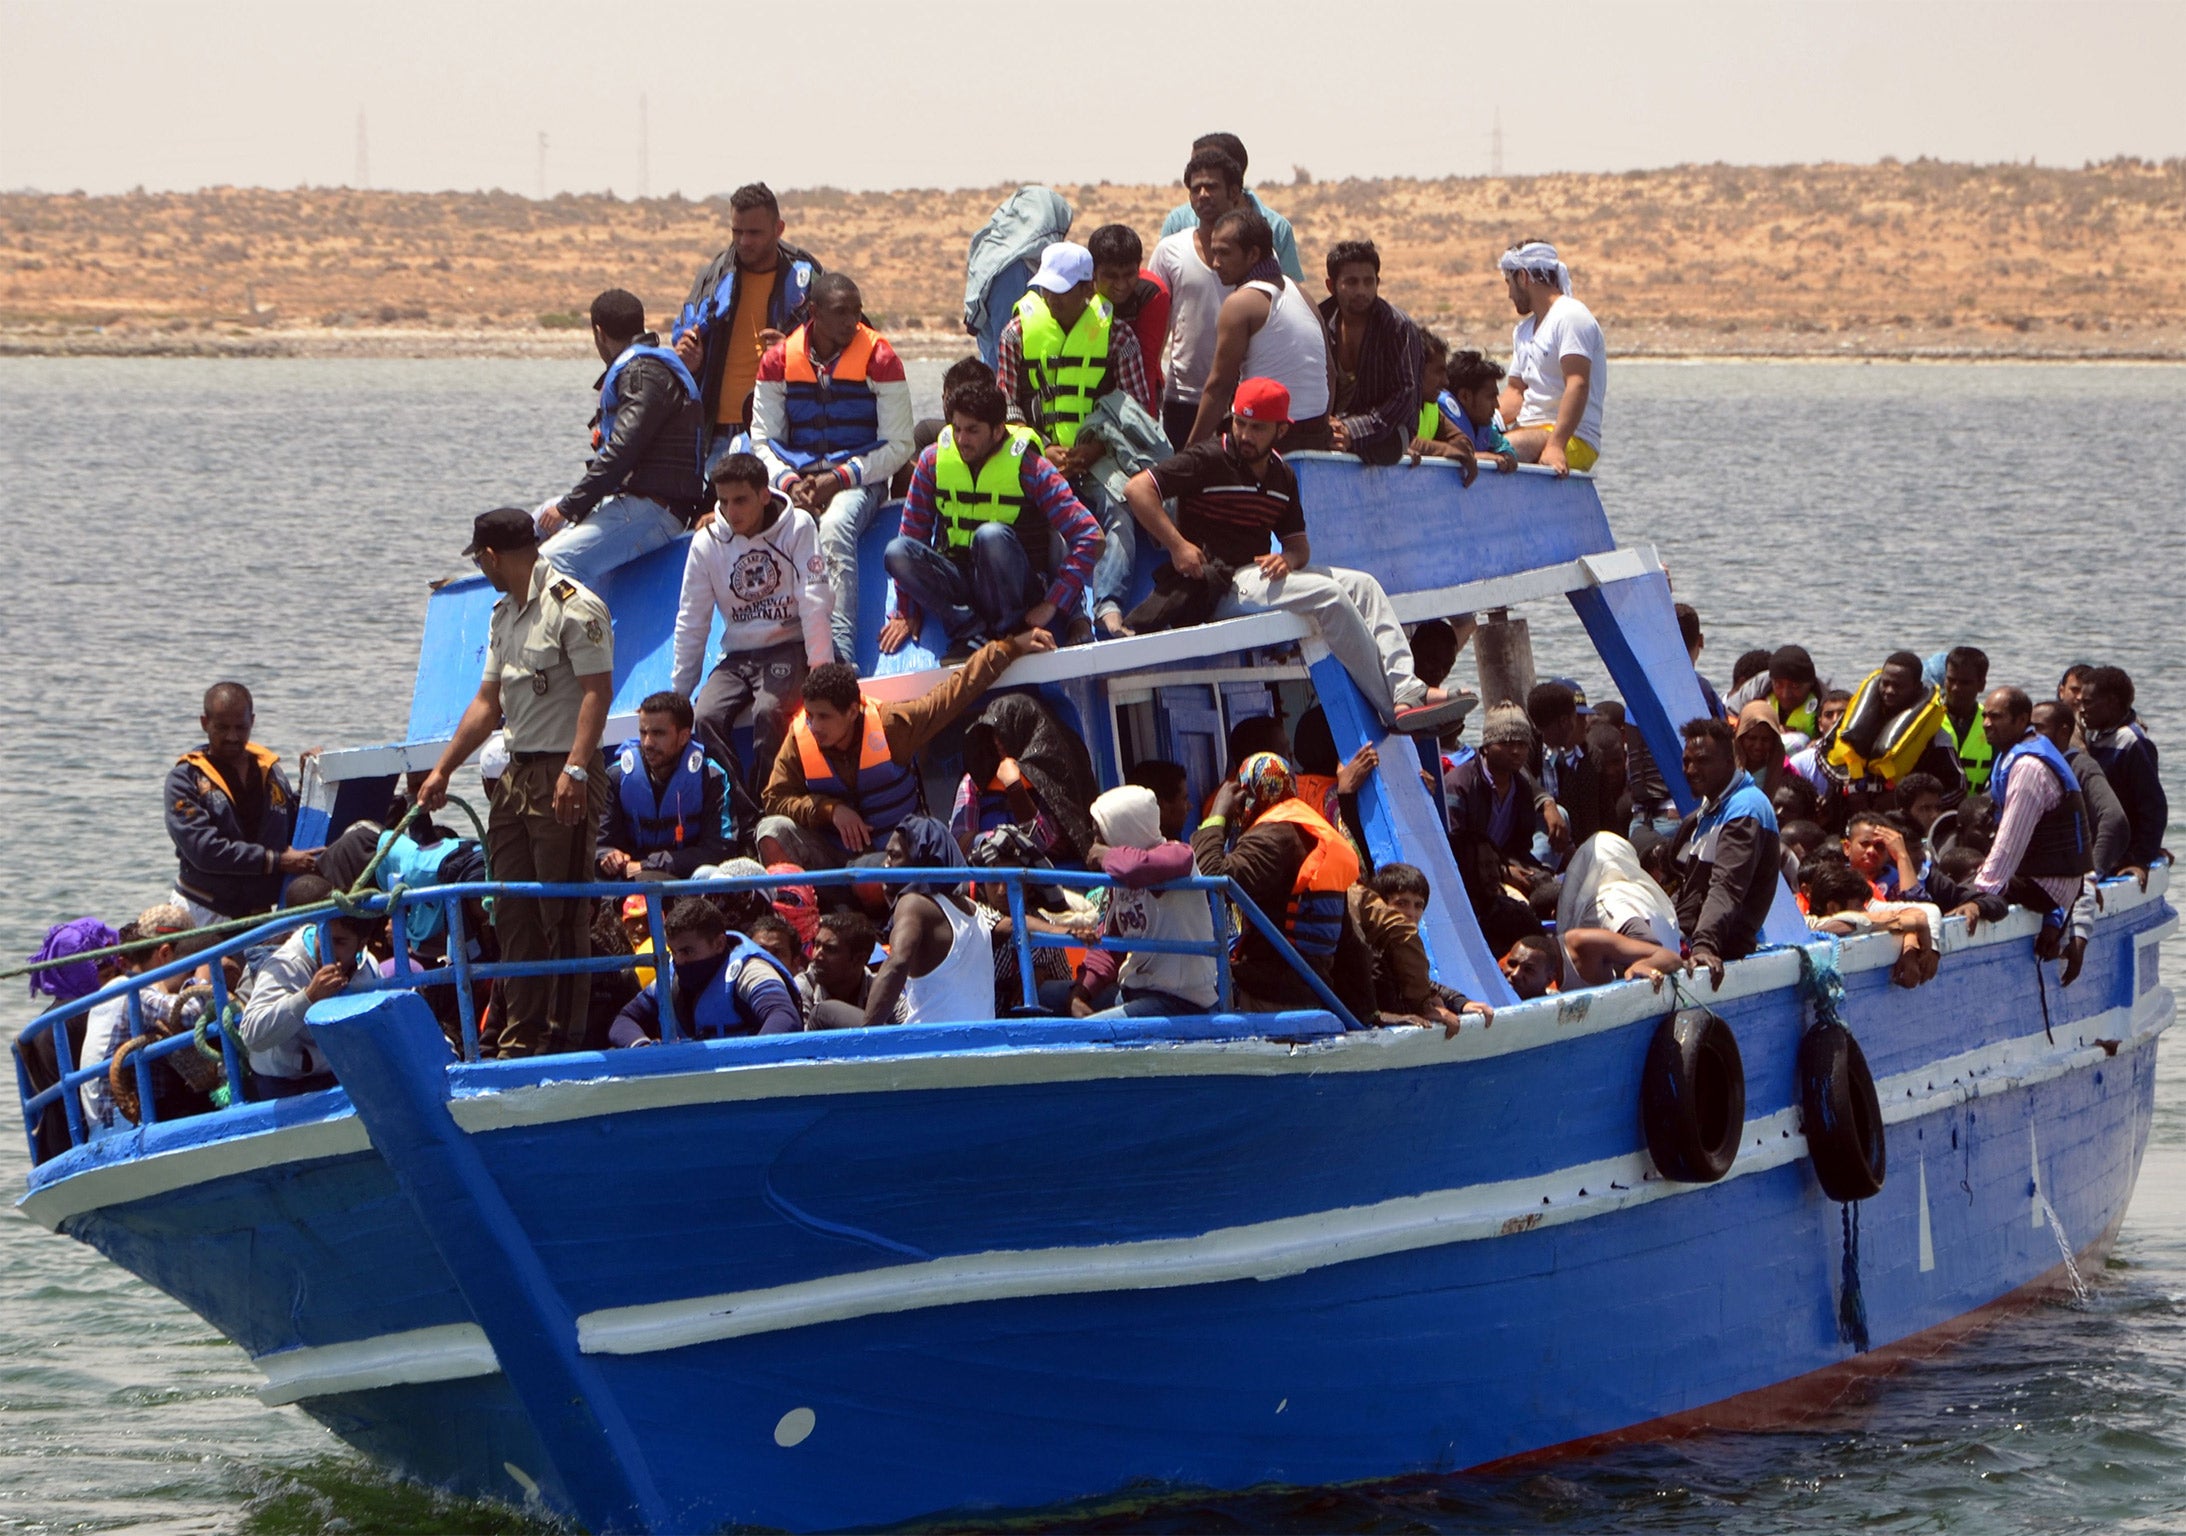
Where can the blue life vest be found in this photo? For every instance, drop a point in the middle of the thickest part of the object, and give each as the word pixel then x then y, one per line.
pixel 2059 844
pixel 672 818
pixel 415 865
pixel 718 1010
pixel 609 394
pixel 834 416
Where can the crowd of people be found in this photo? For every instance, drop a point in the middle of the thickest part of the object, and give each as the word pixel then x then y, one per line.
pixel 1129 394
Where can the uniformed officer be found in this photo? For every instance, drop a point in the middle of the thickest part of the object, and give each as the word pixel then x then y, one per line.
pixel 550 659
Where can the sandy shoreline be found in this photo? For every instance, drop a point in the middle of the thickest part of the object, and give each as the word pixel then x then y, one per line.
pixel 557 345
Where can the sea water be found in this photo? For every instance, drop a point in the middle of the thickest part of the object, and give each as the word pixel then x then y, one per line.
pixel 171 523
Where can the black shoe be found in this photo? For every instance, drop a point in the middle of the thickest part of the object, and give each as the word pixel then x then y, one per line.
pixel 961 650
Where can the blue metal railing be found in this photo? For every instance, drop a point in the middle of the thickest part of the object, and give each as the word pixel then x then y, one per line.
pixel 464 973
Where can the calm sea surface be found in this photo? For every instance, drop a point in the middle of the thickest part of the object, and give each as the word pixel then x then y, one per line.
pixel 169 523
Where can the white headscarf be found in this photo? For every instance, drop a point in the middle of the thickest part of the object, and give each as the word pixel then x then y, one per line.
pixel 1538 256
pixel 1129 817
pixel 1604 887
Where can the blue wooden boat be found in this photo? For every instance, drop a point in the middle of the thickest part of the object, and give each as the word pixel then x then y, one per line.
pixel 836 1280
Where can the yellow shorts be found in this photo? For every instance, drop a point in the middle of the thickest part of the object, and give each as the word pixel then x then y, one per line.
pixel 1579 454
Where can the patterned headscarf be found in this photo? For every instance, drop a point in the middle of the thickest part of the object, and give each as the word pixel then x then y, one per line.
pixel 797 905
pixel 66 983
pixel 1265 779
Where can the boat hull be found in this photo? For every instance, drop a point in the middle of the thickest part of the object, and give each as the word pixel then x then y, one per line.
pixel 886 1282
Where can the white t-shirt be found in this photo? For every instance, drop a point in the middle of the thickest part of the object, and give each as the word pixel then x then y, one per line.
pixel 1195 300
pixel 1537 363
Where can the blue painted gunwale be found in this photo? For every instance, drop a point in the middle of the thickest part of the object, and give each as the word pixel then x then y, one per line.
pixel 327 1251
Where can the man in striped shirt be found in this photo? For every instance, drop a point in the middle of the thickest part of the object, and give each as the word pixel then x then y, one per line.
pixel 1234 493
pixel 973 548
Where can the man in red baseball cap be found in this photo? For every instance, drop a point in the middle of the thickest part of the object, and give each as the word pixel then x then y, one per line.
pixel 1233 492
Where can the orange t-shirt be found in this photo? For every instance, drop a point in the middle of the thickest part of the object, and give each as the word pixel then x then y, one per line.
pixel 740 364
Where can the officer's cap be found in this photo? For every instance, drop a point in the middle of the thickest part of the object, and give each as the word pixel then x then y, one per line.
pixel 502 528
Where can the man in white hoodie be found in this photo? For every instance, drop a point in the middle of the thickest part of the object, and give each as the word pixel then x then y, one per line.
pixel 759 565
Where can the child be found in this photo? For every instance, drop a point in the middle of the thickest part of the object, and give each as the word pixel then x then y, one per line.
pixel 1387 907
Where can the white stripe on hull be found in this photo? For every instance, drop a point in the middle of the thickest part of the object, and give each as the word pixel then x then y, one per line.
pixel 1257 1251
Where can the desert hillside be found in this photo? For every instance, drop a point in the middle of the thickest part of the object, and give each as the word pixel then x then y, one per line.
pixel 1918 259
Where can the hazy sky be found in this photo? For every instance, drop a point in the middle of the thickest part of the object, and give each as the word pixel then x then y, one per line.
pixel 104 95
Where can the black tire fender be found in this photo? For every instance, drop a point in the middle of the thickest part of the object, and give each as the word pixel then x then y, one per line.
pixel 1693 1097
pixel 1841 1114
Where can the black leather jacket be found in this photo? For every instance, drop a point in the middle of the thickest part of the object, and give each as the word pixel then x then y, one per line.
pixel 654 449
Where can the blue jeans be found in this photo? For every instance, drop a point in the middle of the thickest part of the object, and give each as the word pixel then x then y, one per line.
pixel 990 599
pixel 618 531
pixel 844 522
pixel 1111 582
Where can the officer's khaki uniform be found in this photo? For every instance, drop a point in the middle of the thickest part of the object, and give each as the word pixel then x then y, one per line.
pixel 537 649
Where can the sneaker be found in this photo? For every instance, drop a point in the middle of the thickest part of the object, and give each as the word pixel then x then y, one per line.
pixel 1432 719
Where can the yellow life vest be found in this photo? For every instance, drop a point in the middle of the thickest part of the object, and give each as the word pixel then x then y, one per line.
pixel 964 501
pixel 1067 373
pixel 1894 743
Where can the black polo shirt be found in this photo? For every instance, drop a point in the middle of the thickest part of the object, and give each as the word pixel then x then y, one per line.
pixel 1223 507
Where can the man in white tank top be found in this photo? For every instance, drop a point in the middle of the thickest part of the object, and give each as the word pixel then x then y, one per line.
pixel 940 961
pixel 1268 329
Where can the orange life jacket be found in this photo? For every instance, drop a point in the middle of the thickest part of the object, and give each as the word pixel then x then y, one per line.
pixel 1314 918
pixel 887 791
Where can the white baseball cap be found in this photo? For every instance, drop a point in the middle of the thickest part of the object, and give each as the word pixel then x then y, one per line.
pixel 1063 266
pixel 493 757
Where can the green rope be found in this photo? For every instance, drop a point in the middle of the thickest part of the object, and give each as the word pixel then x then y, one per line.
pixel 341 903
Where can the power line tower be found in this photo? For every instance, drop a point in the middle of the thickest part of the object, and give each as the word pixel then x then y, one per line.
pixel 645 151
pixel 364 160
pixel 542 165
pixel 1495 145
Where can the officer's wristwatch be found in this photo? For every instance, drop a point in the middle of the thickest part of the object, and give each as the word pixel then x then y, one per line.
pixel 574 772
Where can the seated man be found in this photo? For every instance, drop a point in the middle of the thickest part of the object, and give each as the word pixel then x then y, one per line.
pixel 642 486
pixel 1894 726
pixel 847 774
pixel 838 980
pixel 1375 354
pixel 231 814
pixel 313 964
pixel 1059 354
pixel 759 566
pixel 667 808
pixel 1789 684
pixel 1965 680
pixel 940 966
pixel 1494 799
pixel 2128 757
pixel 2041 833
pixel 1559 370
pixel 1232 493
pixel 1878 851
pixel 973 550
pixel 831 416
pixel 1457 413
pixel 2107 822
pixel 1571 772
pixel 1726 853
pixel 1294 866
pixel 724 984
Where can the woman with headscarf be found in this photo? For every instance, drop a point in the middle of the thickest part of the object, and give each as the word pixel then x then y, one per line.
pixel 1021 764
pixel 1760 746
pixel 1135 855
pixel 1292 865
pixel 939 962
pixel 1612 920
